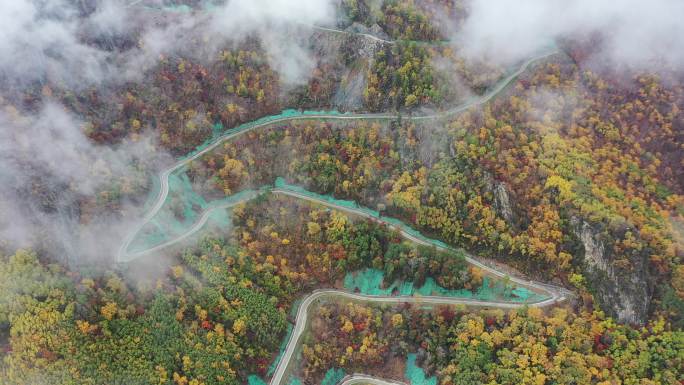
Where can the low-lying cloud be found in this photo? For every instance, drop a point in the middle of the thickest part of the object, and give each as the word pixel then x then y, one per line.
pixel 48 167
pixel 55 39
pixel 47 163
pixel 637 34
pixel 73 44
pixel 39 39
pixel 277 23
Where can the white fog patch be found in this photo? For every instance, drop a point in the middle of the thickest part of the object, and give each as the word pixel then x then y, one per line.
pixel 39 39
pixel 279 24
pixel 111 18
pixel 53 141
pixel 639 34
pixel 48 165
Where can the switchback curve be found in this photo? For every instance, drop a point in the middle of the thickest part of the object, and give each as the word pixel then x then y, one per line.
pixel 555 294
pixel 123 255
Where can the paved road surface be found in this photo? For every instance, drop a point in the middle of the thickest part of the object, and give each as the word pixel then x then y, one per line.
pixel 555 294
pixel 123 255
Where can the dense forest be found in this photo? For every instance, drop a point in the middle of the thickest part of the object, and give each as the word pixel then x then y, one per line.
pixel 497 347
pixel 479 189
pixel 571 174
pixel 215 317
pixel 218 317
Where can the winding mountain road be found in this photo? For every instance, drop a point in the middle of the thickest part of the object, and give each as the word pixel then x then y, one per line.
pixel 123 255
pixel 553 294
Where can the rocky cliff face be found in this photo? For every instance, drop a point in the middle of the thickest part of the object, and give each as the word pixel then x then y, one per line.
pixel 502 202
pixel 624 295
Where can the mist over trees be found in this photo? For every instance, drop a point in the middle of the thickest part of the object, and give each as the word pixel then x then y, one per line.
pixel 570 173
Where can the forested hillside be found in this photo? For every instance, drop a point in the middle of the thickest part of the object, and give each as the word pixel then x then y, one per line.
pixel 408 192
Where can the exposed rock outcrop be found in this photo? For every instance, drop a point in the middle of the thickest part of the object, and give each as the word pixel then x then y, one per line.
pixel 502 199
pixel 502 202
pixel 624 295
pixel 349 95
pixel 374 30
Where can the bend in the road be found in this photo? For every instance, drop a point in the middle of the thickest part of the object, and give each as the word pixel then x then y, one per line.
pixel 556 294
pixel 122 254
pixel 303 314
